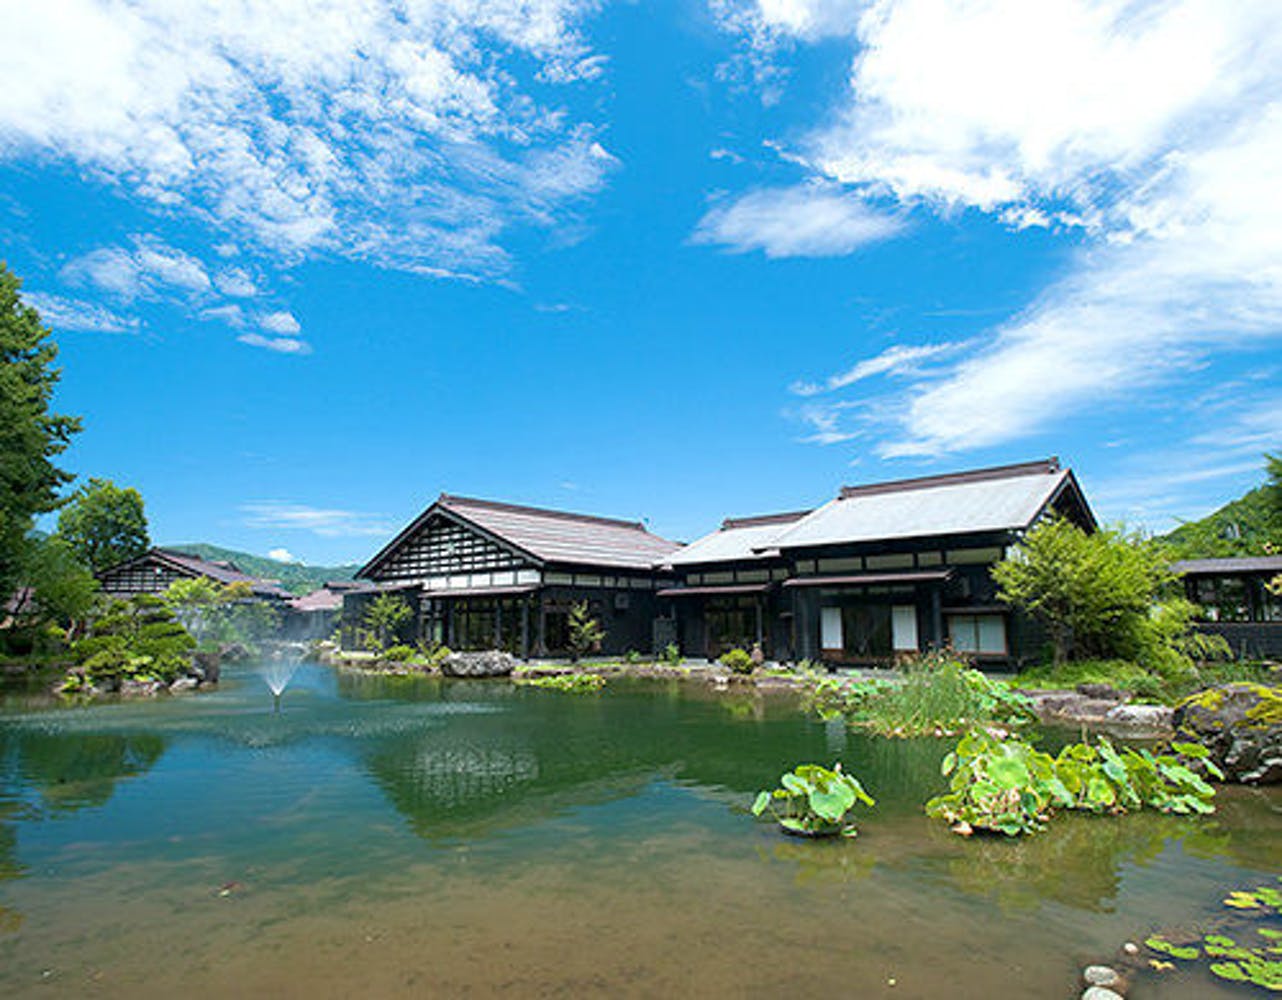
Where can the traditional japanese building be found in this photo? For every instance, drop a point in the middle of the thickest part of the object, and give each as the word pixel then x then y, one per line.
pixel 480 574
pixel 883 570
pixel 154 570
pixel 1235 601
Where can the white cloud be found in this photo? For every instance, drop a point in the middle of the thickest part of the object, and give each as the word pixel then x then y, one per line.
pixel 282 345
pixel 407 134
pixel 1153 127
pixel 61 313
pixel 330 523
pixel 147 269
pixel 804 221
pixel 280 322
pixel 896 360
pixel 282 555
pixel 236 282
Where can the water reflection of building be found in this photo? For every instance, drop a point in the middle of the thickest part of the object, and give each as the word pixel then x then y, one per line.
pixel 882 570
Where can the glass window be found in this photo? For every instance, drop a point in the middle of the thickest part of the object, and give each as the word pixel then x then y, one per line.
pixel 984 634
pixel 965 557
pixel 897 560
pixel 854 563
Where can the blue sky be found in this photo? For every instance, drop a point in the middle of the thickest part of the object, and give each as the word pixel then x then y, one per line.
pixel 310 265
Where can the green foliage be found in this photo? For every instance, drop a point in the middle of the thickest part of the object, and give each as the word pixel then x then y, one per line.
pixel 576 683
pixel 1091 591
pixel 1144 684
pixel 295 577
pixel 586 632
pixel 1007 786
pixel 671 655
pixel 104 524
pixel 384 618
pixel 138 638
pixel 64 591
pixel 399 653
pixel 737 661
pixel 939 695
pixel 814 801
pixel 1231 959
pixel 632 657
pixel 30 436
pixel 1247 526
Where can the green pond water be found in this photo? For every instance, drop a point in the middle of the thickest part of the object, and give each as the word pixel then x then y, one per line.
pixel 387 836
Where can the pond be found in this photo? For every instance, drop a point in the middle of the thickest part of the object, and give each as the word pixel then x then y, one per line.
pixel 400 836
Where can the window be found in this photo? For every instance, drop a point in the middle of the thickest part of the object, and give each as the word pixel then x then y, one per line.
pixel 840 565
pixel 982 634
pixel 970 557
pixel 898 560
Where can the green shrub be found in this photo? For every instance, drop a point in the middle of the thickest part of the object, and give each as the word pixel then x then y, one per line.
pixel 814 801
pixel 738 661
pixel 632 657
pixel 571 683
pixel 1006 786
pixel 134 639
pixel 399 653
pixel 671 655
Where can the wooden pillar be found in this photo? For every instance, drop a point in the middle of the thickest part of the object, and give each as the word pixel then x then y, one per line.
pixel 525 628
pixel 936 617
pixel 542 645
pixel 758 609
pixel 498 623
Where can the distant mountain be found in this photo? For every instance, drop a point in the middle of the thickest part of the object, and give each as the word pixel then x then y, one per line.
pixel 299 578
pixel 1243 527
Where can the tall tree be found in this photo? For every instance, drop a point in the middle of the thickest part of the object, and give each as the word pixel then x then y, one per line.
pixel 104 524
pixel 30 436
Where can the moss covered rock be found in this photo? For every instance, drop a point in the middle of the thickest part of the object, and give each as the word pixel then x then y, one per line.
pixel 1241 724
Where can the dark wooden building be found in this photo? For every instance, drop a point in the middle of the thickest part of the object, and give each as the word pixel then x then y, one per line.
pixel 883 570
pixel 480 574
pixel 1236 603
pixel 157 568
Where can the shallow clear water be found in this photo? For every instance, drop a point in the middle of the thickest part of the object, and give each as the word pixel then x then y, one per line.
pixel 387 836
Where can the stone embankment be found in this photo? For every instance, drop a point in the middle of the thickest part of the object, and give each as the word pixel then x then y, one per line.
pixel 1104 708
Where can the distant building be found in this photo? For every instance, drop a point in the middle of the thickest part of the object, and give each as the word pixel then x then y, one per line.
pixel 1235 602
pixel 882 570
pixel 157 568
pixel 316 615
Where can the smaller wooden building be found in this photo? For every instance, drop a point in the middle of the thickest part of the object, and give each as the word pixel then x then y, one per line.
pixel 1235 602
pixel 480 574
pixel 154 570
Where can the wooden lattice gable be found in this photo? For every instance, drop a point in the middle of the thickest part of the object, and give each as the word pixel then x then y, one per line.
pixel 439 544
pixel 147 574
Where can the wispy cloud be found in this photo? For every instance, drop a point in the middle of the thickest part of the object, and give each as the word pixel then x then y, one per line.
pixel 61 313
pixel 282 345
pixel 327 522
pixel 900 360
pixel 1154 129
pixel 410 135
pixel 147 268
pixel 804 221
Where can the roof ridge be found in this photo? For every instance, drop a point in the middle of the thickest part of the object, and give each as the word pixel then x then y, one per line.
pixel 448 499
pixel 1046 466
pixel 756 520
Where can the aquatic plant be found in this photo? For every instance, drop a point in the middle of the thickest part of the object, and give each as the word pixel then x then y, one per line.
pixel 813 801
pixel 571 683
pixel 939 695
pixel 1006 786
pixel 737 661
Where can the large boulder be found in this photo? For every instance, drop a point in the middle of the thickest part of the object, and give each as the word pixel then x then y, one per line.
pixel 1241 724
pixel 491 663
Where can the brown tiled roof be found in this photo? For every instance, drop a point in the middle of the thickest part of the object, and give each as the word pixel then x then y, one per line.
pixel 323 599
pixel 562 537
pixel 221 571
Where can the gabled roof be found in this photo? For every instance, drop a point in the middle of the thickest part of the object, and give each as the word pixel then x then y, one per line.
pixel 738 538
pixel 1227 566
pixel 1003 498
pixel 187 564
pixel 546 536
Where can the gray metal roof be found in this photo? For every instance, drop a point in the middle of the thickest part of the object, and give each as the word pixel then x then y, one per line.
pixel 737 539
pixel 999 499
pixel 1228 566
pixel 562 537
